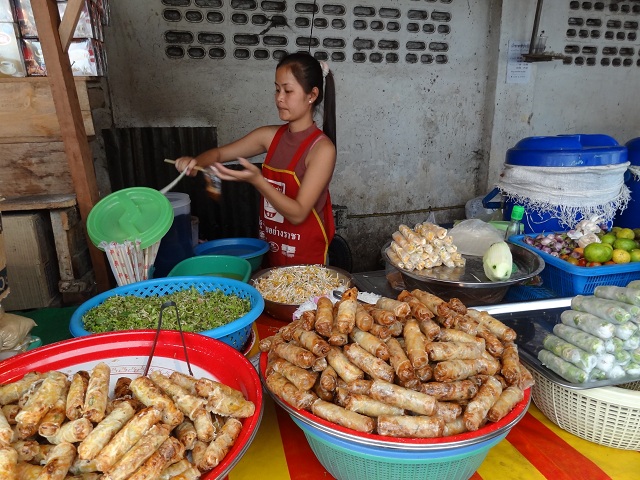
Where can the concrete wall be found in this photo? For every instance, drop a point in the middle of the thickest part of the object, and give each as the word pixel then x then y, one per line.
pixel 421 128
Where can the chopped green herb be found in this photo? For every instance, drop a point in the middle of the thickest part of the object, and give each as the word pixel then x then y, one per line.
pixel 198 311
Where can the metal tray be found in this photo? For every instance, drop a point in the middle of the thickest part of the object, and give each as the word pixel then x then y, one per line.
pixel 532 321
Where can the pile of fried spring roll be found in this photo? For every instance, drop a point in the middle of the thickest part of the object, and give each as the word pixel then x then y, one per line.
pixel 155 427
pixel 414 367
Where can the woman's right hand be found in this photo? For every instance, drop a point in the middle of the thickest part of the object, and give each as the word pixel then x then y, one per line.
pixel 188 164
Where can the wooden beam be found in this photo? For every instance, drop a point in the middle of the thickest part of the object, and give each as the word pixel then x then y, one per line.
pixel 74 136
pixel 69 22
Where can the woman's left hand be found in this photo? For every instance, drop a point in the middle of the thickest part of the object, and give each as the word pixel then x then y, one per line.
pixel 250 173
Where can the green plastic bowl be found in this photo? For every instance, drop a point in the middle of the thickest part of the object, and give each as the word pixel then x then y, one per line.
pixel 226 266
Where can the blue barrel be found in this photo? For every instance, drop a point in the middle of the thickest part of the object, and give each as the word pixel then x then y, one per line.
pixel 584 150
pixel 630 216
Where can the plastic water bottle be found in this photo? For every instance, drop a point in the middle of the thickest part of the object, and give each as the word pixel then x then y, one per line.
pixel 515 225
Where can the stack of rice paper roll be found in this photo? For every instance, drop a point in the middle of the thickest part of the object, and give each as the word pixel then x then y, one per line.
pixel 598 338
pixel 425 246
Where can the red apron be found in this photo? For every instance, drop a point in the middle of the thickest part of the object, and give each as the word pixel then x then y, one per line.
pixel 291 244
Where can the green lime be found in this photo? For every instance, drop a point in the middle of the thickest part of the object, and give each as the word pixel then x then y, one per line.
pixel 626 233
pixel 625 244
pixel 635 255
pixel 597 252
pixel 608 238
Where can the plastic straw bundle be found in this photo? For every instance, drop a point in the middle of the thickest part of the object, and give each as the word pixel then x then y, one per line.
pixel 129 262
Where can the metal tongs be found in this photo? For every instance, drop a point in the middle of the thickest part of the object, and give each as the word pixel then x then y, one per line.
pixel 155 340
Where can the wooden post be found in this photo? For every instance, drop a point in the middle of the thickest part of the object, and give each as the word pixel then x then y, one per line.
pixel 76 144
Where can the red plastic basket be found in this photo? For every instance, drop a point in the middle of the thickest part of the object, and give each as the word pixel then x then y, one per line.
pixel 127 353
pixel 568 280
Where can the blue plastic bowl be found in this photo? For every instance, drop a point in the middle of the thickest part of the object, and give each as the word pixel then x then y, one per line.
pixel 251 249
pixel 236 333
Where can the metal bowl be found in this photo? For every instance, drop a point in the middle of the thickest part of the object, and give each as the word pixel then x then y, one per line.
pixel 469 283
pixel 284 311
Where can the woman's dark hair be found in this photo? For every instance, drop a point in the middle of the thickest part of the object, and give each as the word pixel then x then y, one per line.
pixel 308 73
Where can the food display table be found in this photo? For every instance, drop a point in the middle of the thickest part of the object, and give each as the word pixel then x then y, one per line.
pixel 535 449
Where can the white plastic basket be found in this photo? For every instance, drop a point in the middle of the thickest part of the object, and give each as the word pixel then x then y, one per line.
pixel 609 416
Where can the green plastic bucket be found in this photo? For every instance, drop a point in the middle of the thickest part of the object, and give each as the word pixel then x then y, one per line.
pixel 226 266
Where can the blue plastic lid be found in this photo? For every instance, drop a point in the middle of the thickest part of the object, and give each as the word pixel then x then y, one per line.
pixel 585 150
pixel 633 146
pixel 244 247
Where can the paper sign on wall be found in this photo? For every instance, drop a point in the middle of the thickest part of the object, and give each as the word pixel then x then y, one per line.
pixel 518 71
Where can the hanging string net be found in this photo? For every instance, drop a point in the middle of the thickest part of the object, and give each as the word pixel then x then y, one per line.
pixel 568 194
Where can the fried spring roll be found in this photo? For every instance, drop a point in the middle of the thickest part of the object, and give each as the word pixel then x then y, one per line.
pixel 58 462
pixel 329 379
pixel 301 378
pixel 496 327
pixel 439 351
pixel 493 344
pixel 77 391
pixel 453 335
pixel 415 343
pixel 400 362
pixel 73 431
pixel 126 437
pixel 324 317
pixel 218 449
pixel 364 321
pixel 52 388
pixel 53 419
pixel 10 412
pixel 526 379
pixel 450 391
pixel 11 392
pixel 366 405
pixel 492 365
pixel 361 386
pixel 342 416
pixel 374 366
pixel 370 343
pixel 510 364
pixel 174 469
pixel 299 356
pixel 266 344
pixel 418 309
pixel 95 401
pixel 343 366
pixel 187 403
pixel 424 374
pixel 104 431
pixel 8 463
pixel 454 427
pixel 346 318
pixel 399 308
pixel 404 398
pixel 428 299
pixel 204 426
pixel 171 451
pixel 380 316
pixel 148 393
pixel 27 450
pixel 429 328
pixel 207 388
pixel 227 401
pixel 508 399
pixel 410 426
pixel 448 411
pixel 286 390
pixel 380 331
pixel 323 393
pixel 456 305
pixel 477 409
pixel 312 342
pixel 6 432
pixel 139 453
